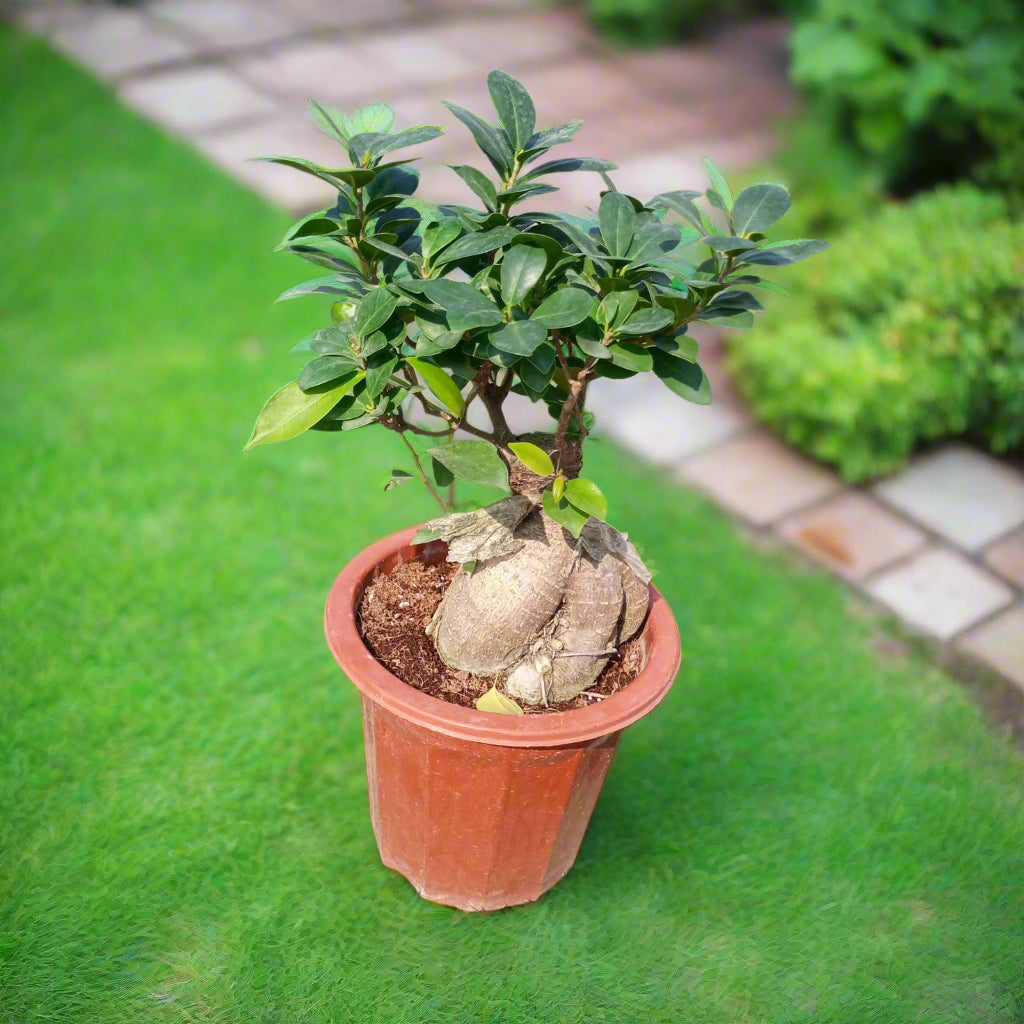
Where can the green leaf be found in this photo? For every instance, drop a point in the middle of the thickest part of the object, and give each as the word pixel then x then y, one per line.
pixel 587 497
pixel 521 268
pixel 497 703
pixel 486 137
pixel 437 236
pixel 685 378
pixel 325 251
pixel 290 411
pixel 682 202
pixel 476 244
pixel 615 308
pixel 549 137
pixel 646 321
pixel 617 218
pixel 324 370
pixel 374 311
pixel 737 319
pixel 477 461
pixel 332 284
pixel 374 117
pixel 397 478
pixel 524 191
pixel 718 182
pixel 780 253
pixel 441 385
pixel 564 514
pixel 519 338
pixel 564 308
pixel 465 307
pixel 533 458
pixel 330 120
pixel 570 163
pixel 381 245
pixel 380 366
pixel 407 137
pixel 727 243
pixel 758 207
pixel 514 106
pixel 481 185
pixel 682 346
pixel 630 356
pixel 442 475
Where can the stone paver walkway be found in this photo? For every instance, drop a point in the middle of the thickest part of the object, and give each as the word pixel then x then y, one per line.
pixel 941 545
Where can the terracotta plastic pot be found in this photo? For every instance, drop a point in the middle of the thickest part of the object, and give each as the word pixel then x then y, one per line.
pixel 477 810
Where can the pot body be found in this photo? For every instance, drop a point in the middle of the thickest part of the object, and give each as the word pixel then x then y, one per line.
pixel 481 811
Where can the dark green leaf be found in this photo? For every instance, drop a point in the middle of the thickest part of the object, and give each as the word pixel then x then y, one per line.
pixel 737 319
pixel 519 338
pixel 683 377
pixel 374 311
pixel 682 202
pixel 758 207
pixel 735 300
pixel 486 136
pixel 479 183
pixel 521 268
pixel 380 366
pixel 617 218
pixel 325 370
pixel 477 461
pixel 394 181
pixel 324 251
pixel 727 243
pixel 514 106
pixel 781 253
pixel 563 308
pixel 682 346
pixel 646 321
pixel 476 244
pixel 437 236
pixel 383 246
pixel 397 478
pixel 442 475
pixel 615 308
pixel 570 163
pixel 549 137
pixel 465 306
pixel 332 284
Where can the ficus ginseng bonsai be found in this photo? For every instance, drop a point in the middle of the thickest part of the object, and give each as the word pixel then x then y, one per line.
pixel 435 308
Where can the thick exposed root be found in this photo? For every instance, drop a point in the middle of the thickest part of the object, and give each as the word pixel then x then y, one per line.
pixel 547 612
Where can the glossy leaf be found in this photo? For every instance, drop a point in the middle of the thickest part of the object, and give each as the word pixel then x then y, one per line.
pixel 685 378
pixel 759 207
pixel 615 308
pixel 563 308
pixel 682 346
pixel 380 366
pixel 486 137
pixel 441 385
pixel 374 311
pixel 781 253
pixel 477 461
pixel 514 106
pixel 564 514
pixel 718 182
pixel 465 307
pixel 646 321
pixel 497 703
pixel 407 137
pixel 290 411
pixel 476 244
pixel 682 202
pixel 521 268
pixel 481 185
pixel 332 284
pixel 587 497
pixel 437 236
pixel 533 458
pixel 617 218
pixel 570 163
pixel 737 319
pixel 519 338
pixel 554 136
pixel 325 369
pixel 727 243
pixel 630 356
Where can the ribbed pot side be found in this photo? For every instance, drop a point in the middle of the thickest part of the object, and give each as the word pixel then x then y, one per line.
pixel 481 811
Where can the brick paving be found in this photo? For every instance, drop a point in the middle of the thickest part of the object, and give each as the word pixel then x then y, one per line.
pixel 941 545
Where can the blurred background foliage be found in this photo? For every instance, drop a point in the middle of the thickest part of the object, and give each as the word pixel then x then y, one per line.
pixel 908 155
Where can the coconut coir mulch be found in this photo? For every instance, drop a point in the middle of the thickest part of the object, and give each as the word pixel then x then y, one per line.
pixel 394 611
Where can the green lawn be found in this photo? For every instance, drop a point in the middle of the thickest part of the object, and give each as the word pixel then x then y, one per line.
pixel 803 833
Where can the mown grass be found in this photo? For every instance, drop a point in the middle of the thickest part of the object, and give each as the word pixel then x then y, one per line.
pixel 802 833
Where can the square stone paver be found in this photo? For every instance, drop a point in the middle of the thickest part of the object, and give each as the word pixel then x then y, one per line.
pixel 940 591
pixel 348 14
pixel 758 477
pixel 528 36
pixel 224 24
pixel 1007 556
pixel 329 71
pixel 1000 643
pixel 853 534
pixel 961 493
pixel 642 415
pixel 115 42
pixel 195 99
pixel 419 57
pixel 234 149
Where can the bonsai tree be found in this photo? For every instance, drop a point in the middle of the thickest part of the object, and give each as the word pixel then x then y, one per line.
pixel 440 309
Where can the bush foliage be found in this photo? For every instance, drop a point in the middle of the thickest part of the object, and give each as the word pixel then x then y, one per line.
pixel 912 330
pixel 932 89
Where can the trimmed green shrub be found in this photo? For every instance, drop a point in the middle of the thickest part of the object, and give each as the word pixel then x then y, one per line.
pixel 647 22
pixel 933 89
pixel 910 330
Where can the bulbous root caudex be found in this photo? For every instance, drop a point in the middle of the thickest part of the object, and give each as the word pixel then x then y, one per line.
pixel 540 609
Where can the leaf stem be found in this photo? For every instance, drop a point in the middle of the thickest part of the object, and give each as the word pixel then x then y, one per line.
pixel 419 467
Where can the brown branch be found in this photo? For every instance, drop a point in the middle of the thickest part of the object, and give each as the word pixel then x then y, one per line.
pixel 423 476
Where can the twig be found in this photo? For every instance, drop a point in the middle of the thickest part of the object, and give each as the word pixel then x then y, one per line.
pixel 423 476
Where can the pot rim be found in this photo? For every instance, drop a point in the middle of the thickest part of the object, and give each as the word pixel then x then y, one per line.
pixel 374 681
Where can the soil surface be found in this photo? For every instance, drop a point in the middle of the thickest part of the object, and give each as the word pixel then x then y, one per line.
pixel 393 614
